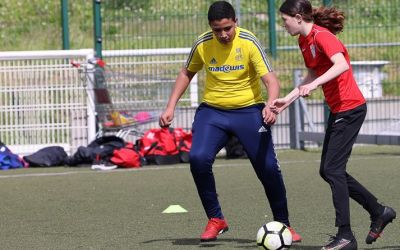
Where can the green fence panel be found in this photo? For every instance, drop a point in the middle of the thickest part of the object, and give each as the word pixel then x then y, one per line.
pixel 370 34
pixel 37 25
pixel 170 23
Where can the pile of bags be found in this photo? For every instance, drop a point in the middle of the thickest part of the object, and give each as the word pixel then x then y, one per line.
pixel 157 146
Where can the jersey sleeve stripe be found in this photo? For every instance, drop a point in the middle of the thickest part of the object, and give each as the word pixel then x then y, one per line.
pixel 201 39
pixel 250 37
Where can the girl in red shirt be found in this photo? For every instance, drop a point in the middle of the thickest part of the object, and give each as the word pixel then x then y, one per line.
pixel 328 65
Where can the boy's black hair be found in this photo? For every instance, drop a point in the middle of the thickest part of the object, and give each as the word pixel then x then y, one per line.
pixel 220 10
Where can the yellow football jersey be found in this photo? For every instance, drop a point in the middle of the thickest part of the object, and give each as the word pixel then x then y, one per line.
pixel 233 70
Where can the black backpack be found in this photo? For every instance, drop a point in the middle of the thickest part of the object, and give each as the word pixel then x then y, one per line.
pixel 234 149
pixel 52 156
pixel 99 150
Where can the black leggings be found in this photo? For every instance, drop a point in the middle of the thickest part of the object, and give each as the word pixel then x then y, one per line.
pixel 341 133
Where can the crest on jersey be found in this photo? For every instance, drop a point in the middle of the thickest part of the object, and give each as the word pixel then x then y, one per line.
pixel 213 61
pixel 238 56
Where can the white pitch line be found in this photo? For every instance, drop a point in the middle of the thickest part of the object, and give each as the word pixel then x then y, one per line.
pixel 156 168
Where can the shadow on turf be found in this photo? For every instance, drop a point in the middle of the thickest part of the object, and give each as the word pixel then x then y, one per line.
pixel 242 243
pixel 196 242
pixel 387 247
pixel 246 244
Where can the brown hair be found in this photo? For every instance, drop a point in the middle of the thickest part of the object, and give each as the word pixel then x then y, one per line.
pixel 330 18
pixel 327 17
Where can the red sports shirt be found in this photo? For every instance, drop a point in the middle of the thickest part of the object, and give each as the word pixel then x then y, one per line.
pixel 341 93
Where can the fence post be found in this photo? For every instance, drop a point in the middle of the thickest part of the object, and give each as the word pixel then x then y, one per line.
pixel 64 22
pixel 238 11
pixel 327 2
pixel 97 27
pixel 194 91
pixel 91 107
pixel 296 120
pixel 272 28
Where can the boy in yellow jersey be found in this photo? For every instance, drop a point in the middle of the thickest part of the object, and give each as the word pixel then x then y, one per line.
pixel 232 104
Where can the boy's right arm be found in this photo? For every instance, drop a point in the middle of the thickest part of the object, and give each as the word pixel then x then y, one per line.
pixel 181 83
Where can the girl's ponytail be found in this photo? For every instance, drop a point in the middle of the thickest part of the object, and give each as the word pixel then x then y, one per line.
pixel 329 18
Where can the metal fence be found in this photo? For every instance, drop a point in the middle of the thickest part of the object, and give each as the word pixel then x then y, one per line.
pixel 370 34
pixel 42 101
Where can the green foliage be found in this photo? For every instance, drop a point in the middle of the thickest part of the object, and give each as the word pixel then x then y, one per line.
pixel 36 24
pixel 154 24
pixel 135 6
pixel 17 17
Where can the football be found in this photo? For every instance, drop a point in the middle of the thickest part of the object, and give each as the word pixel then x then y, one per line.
pixel 274 236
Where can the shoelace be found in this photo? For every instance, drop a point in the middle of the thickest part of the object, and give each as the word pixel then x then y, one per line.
pixel 331 239
pixel 374 224
pixel 212 223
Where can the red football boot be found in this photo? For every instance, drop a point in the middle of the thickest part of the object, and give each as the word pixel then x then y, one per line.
pixel 215 226
pixel 295 236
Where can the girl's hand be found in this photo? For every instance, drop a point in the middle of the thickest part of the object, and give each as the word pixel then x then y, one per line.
pixel 278 105
pixel 305 90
